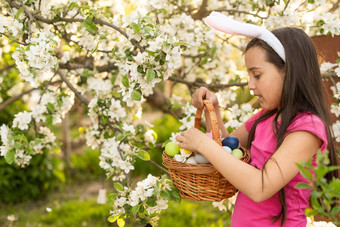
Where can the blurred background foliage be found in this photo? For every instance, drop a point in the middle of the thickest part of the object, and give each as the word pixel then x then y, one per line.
pixel 44 194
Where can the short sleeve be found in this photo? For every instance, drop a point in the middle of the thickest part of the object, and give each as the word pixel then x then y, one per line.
pixel 310 123
pixel 249 123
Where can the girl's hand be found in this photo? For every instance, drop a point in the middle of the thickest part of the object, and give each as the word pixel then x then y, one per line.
pixel 201 94
pixel 194 140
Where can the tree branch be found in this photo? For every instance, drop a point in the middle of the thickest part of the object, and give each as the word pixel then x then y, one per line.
pixel 335 6
pixel 236 11
pixel 15 98
pixel 157 99
pixel 7 67
pixel 199 83
pixel 75 91
pixel 88 65
pixel 202 11
pixel 72 20
pixel 158 166
pixel 13 40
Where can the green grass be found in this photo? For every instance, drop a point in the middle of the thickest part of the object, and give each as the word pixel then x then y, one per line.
pixel 77 212
pixel 63 213
pixel 193 213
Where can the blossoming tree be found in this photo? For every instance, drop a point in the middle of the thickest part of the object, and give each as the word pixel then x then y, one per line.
pixel 110 55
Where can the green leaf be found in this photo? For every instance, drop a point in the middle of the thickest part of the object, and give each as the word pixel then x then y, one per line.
pixel 165 195
pixel 152 201
pixel 90 25
pixel 20 137
pixel 17 145
pixel 303 185
pixel 112 218
pixel 120 137
pixel 136 95
pixel 320 23
pixel 176 106
pixel 204 60
pixel 335 211
pixel 10 156
pixel 175 195
pixel 140 69
pixel 311 212
pixel 144 155
pixel 50 107
pixel 95 49
pixel 181 43
pixel 306 174
pixel 311 1
pixel 136 27
pixel 125 81
pixel 121 222
pixel 17 15
pixel 135 209
pixel 118 186
pixel 335 183
pixel 316 194
pixel 150 75
pixel 49 121
pixel 72 5
pixel 111 197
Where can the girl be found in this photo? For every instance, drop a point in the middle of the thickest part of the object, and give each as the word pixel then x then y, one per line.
pixel 291 127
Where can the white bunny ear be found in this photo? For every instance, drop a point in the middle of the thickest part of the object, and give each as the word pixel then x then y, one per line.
pixel 220 22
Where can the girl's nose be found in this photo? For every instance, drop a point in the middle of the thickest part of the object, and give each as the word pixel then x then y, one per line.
pixel 251 85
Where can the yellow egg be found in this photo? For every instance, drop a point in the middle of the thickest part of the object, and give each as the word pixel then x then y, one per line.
pixel 186 151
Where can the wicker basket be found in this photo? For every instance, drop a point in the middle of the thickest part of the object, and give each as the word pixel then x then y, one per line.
pixel 202 182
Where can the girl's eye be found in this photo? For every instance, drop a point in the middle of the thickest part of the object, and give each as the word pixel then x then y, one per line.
pixel 257 76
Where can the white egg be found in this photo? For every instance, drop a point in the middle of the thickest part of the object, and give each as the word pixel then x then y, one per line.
pixel 191 160
pixel 201 159
pixel 227 149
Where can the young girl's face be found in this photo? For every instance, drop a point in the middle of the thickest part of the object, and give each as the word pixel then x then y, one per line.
pixel 265 80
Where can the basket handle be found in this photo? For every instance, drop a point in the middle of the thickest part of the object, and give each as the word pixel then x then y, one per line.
pixel 213 120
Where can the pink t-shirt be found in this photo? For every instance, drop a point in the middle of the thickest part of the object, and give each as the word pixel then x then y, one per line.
pixel 249 213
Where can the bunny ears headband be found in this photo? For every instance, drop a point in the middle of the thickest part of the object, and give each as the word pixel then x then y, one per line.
pixel 222 23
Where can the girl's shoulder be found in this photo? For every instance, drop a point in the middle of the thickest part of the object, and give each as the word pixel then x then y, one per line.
pixel 311 123
pixel 307 120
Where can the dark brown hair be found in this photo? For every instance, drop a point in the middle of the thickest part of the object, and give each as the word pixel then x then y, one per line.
pixel 302 92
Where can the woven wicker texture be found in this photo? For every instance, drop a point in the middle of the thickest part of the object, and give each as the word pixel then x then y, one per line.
pixel 202 182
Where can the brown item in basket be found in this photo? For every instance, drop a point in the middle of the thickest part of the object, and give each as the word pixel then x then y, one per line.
pixel 202 182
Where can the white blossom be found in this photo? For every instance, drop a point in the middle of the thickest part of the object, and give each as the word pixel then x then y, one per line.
pixel 149 136
pixel 128 128
pixel 326 66
pixel 98 85
pixel 311 223
pixel 49 136
pixel 182 156
pixel 21 158
pixel 4 133
pixel 335 109
pixel 220 205
pixel 336 130
pixel 126 166
pixel 22 120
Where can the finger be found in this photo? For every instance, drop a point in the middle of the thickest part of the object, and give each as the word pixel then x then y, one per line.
pixel 180 138
pixel 198 97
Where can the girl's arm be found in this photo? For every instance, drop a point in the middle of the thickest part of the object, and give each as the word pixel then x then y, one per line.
pixel 297 147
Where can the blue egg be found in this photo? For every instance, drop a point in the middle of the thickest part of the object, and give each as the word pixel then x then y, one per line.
pixel 231 141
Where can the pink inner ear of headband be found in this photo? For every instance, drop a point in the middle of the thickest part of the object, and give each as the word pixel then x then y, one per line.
pixel 222 23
